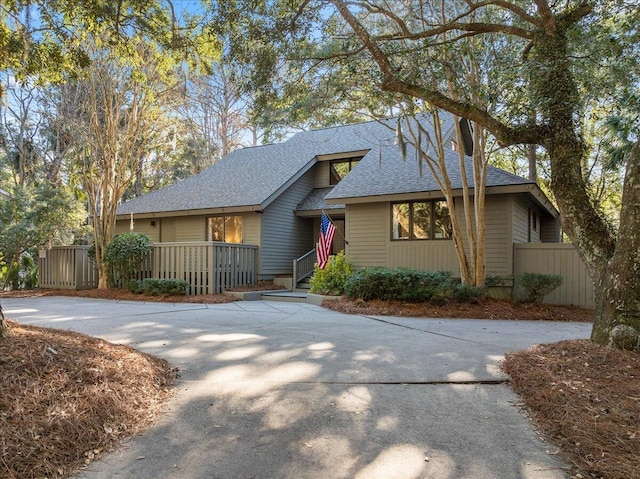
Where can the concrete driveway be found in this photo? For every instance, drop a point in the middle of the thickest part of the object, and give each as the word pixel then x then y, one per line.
pixel 285 390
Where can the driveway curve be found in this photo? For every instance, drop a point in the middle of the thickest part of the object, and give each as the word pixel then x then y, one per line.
pixel 288 390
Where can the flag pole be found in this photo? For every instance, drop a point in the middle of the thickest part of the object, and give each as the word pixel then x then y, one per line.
pixel 337 231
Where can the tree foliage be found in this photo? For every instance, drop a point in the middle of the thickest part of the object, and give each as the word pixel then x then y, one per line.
pixel 545 68
pixel 32 219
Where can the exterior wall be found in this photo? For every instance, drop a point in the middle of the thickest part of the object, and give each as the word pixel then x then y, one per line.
pixel 167 230
pixel 556 258
pixel 188 228
pixel 140 226
pixel 368 232
pixel 550 230
pixel 321 174
pixel 498 256
pixel 284 236
pixel 521 221
pixel 370 244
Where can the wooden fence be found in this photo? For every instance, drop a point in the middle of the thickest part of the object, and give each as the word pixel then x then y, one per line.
pixel 555 258
pixel 67 267
pixel 208 267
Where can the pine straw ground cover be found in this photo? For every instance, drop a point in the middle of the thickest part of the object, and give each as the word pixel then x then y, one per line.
pixel 487 309
pixel 66 398
pixel 584 398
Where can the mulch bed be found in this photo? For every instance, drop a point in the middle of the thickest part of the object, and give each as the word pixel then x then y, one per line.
pixel 119 295
pixel 585 398
pixel 488 309
pixel 67 398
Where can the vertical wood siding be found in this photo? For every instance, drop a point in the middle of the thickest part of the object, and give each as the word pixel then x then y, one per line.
pixel 285 236
pixel 368 230
pixel 67 267
pixel 555 258
pixel 497 235
pixel 521 221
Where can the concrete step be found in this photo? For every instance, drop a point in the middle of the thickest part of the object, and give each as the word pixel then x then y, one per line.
pixel 287 296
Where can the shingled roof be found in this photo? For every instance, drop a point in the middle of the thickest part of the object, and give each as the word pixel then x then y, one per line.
pixel 383 173
pixel 248 179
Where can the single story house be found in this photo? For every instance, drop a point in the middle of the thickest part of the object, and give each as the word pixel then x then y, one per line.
pixel 386 210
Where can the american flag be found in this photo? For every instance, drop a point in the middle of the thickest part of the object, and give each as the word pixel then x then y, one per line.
pixel 327 231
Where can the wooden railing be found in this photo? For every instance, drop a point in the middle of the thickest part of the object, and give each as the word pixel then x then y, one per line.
pixel 303 267
pixel 208 267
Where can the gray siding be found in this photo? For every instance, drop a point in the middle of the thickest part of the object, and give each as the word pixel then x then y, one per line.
pixel 321 174
pixel 521 221
pixel 550 230
pixel 285 236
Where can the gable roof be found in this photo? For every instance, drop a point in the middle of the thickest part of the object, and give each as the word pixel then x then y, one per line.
pixel 384 173
pixel 249 179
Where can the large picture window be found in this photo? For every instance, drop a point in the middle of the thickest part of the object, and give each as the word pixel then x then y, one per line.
pixel 419 220
pixel 225 228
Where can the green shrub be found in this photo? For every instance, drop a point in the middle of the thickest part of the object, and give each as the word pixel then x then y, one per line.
pixel 125 256
pixel 135 286
pixel 161 287
pixel 536 286
pixel 465 293
pixel 22 274
pixel 397 283
pixel 332 278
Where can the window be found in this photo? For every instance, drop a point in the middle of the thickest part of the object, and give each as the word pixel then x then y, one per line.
pixel 338 169
pixel 420 220
pixel 225 228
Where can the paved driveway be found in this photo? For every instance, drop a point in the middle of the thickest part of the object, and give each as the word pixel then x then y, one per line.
pixel 285 390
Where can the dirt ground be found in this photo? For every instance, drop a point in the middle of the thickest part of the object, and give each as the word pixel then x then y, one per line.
pixel 582 397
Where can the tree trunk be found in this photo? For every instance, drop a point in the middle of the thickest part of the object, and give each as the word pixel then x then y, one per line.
pixel 613 262
pixel 5 330
pixel 617 321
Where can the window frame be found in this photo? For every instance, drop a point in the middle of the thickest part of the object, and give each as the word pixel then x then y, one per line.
pixel 224 228
pixel 432 220
pixel 352 162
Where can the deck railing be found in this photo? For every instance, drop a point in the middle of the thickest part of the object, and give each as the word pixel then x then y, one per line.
pixel 303 267
pixel 208 267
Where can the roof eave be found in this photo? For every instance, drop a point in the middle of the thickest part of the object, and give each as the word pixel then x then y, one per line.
pixel 531 188
pixel 273 196
pixel 196 212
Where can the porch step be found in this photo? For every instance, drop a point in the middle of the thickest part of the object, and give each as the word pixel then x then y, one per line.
pixel 287 296
pixel 303 287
